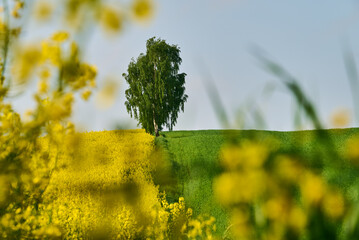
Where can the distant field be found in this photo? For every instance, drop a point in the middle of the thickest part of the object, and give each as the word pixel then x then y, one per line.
pixel 119 177
pixel 194 156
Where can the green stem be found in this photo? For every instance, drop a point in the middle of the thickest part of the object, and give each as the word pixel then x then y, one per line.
pixel 61 80
pixel 6 40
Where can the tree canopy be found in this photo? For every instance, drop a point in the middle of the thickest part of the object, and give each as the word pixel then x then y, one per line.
pixel 156 90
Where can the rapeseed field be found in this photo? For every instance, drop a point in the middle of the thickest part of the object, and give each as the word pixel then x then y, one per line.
pixel 103 188
pixel 99 185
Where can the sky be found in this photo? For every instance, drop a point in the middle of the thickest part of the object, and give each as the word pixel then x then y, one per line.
pixel 217 39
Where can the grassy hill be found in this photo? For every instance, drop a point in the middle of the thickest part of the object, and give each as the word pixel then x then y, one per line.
pixel 194 156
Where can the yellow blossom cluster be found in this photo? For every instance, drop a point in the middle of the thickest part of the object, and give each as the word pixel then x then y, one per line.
pixel 203 227
pixel 352 149
pixel 25 166
pixel 18 6
pixel 273 195
pixel 53 60
pixel 110 15
pixel 105 178
pixel 101 185
pixel 24 175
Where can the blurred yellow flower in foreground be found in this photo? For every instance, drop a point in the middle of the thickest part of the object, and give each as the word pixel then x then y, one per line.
pixel 297 219
pixel 240 224
pixel 26 59
pixel 44 74
pixel 43 10
pixel 340 118
pixel 43 86
pixel 352 149
pixel 86 94
pixel 142 9
pixel 244 187
pixel 313 188
pixel 17 7
pixel 51 52
pixel 59 107
pixel 276 208
pixel 246 155
pixel 333 204
pixel 111 20
pixel 288 168
pixel 106 97
pixel 60 36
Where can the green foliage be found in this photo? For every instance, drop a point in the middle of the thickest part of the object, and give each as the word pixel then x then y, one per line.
pixel 156 89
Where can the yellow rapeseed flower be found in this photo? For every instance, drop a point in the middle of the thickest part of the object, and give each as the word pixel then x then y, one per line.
pixel 53 231
pixel 43 10
pixel 86 94
pixel 231 156
pixel 340 118
pixel 60 36
pixel 288 168
pixel 247 155
pixel 15 13
pixel 111 20
pixel 196 229
pixel 92 81
pixel 254 153
pixel 43 86
pixel 60 107
pixel 26 60
pixel 225 188
pixel 352 149
pixel 333 204
pixel 51 52
pixel 297 219
pixel 239 187
pixel 18 6
pixel 45 74
pixel 276 208
pixel 240 224
pixel 106 97
pixel 312 188
pixel 142 9
pixel 27 117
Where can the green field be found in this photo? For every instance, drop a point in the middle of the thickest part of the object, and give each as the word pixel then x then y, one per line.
pixel 194 157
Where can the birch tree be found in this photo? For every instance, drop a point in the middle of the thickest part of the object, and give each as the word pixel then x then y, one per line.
pixel 156 90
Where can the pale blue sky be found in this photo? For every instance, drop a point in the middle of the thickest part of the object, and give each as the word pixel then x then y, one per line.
pixel 216 37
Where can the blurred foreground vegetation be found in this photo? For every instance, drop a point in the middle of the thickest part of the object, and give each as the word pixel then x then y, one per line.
pixel 56 183
pixel 268 184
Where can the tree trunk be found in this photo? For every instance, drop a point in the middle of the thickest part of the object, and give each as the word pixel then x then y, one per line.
pixel 154 116
pixel 155 124
pixel 156 128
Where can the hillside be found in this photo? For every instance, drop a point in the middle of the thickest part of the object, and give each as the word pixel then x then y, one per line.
pixel 194 156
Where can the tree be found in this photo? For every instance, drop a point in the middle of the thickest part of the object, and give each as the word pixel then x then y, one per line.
pixel 156 89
